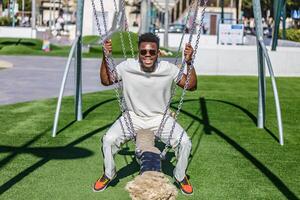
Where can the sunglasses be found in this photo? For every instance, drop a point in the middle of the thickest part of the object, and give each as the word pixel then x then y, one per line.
pixel 144 52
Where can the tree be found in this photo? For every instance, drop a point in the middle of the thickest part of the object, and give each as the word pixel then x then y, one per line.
pixel 268 5
pixel 27 4
pixel 248 8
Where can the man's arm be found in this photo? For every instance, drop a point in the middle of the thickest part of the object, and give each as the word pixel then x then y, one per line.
pixel 105 75
pixel 193 79
pixel 188 54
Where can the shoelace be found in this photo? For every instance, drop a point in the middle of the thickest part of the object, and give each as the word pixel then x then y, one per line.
pixel 104 179
pixel 185 181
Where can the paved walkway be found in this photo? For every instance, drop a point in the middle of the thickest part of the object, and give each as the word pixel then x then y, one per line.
pixel 34 77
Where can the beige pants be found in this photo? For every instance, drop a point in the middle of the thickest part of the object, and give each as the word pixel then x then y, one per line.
pixel 114 137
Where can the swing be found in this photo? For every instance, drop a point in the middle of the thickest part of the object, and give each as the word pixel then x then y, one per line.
pixel 136 136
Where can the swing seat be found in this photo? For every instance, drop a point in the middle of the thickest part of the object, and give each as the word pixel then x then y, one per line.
pixel 147 155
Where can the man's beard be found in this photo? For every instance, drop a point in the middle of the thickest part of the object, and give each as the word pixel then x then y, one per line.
pixel 148 69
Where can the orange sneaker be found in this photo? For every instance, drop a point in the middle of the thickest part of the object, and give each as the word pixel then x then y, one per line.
pixel 101 183
pixel 185 186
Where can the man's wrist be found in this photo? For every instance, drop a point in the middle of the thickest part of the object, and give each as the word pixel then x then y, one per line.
pixel 188 62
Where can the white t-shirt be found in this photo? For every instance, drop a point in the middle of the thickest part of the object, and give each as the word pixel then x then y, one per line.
pixel 147 93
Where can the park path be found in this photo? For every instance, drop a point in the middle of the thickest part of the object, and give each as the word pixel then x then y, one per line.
pixel 35 77
pixel 38 77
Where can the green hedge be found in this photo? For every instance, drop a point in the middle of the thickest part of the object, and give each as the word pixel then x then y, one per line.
pixel 5 21
pixel 291 34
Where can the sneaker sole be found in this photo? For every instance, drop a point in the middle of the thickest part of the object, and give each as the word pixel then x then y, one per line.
pixel 94 190
pixel 187 194
pixel 178 184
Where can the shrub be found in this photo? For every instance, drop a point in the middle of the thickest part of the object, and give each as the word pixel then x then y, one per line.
pixel 291 34
pixel 5 21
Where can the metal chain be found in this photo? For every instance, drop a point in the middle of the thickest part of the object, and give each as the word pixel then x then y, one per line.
pixel 168 145
pixel 180 74
pixel 185 27
pixel 113 73
pixel 126 28
pixel 121 33
pixel 110 63
pixel 124 107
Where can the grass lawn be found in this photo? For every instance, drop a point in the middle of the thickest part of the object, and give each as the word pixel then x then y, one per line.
pixel 231 158
pixel 19 46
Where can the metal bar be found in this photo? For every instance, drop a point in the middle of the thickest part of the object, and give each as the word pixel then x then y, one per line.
pixel 109 35
pixel 278 5
pixel 261 65
pixel 222 11
pixel 23 10
pixel 284 20
pixel 144 27
pixel 62 87
pixel 33 13
pixel 78 84
pixel 13 14
pixel 166 34
pixel 275 91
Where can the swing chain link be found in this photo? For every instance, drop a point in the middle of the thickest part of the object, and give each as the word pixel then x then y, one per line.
pixel 121 32
pixel 113 74
pixel 126 28
pixel 168 145
pixel 112 71
pixel 181 71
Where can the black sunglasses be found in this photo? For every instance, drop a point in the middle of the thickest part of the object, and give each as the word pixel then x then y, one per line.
pixel 144 52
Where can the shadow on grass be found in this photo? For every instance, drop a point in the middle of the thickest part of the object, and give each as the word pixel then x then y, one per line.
pixel 68 151
pixel 244 110
pixel 89 110
pixel 86 113
pixel 277 182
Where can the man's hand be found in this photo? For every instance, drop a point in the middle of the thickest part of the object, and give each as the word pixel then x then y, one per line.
pixel 188 56
pixel 107 46
pixel 188 52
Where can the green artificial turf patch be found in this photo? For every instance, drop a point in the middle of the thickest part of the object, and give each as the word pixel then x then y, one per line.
pixel 231 158
pixel 21 46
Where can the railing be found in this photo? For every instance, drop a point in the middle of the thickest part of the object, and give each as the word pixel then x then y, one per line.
pixel 62 87
pixel 274 87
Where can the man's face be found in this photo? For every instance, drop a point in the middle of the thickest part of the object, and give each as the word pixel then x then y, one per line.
pixel 148 54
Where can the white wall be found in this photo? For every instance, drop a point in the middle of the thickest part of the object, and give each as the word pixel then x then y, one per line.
pixel 89 27
pixel 213 59
pixel 242 60
pixel 17 32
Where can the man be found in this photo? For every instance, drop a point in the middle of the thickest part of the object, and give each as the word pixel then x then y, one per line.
pixel 147 89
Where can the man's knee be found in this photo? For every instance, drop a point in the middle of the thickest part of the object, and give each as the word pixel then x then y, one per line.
pixel 186 142
pixel 109 139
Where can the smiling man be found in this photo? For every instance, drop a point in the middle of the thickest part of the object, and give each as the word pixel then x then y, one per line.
pixel 147 87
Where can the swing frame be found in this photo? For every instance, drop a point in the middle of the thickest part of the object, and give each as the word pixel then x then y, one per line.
pixel 76 51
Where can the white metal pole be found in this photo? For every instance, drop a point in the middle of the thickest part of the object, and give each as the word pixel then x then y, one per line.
pixel 33 14
pixel 144 15
pixel 23 9
pixel 166 35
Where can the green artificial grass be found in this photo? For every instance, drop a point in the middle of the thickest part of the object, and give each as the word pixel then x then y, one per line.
pixel 19 46
pixel 231 158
